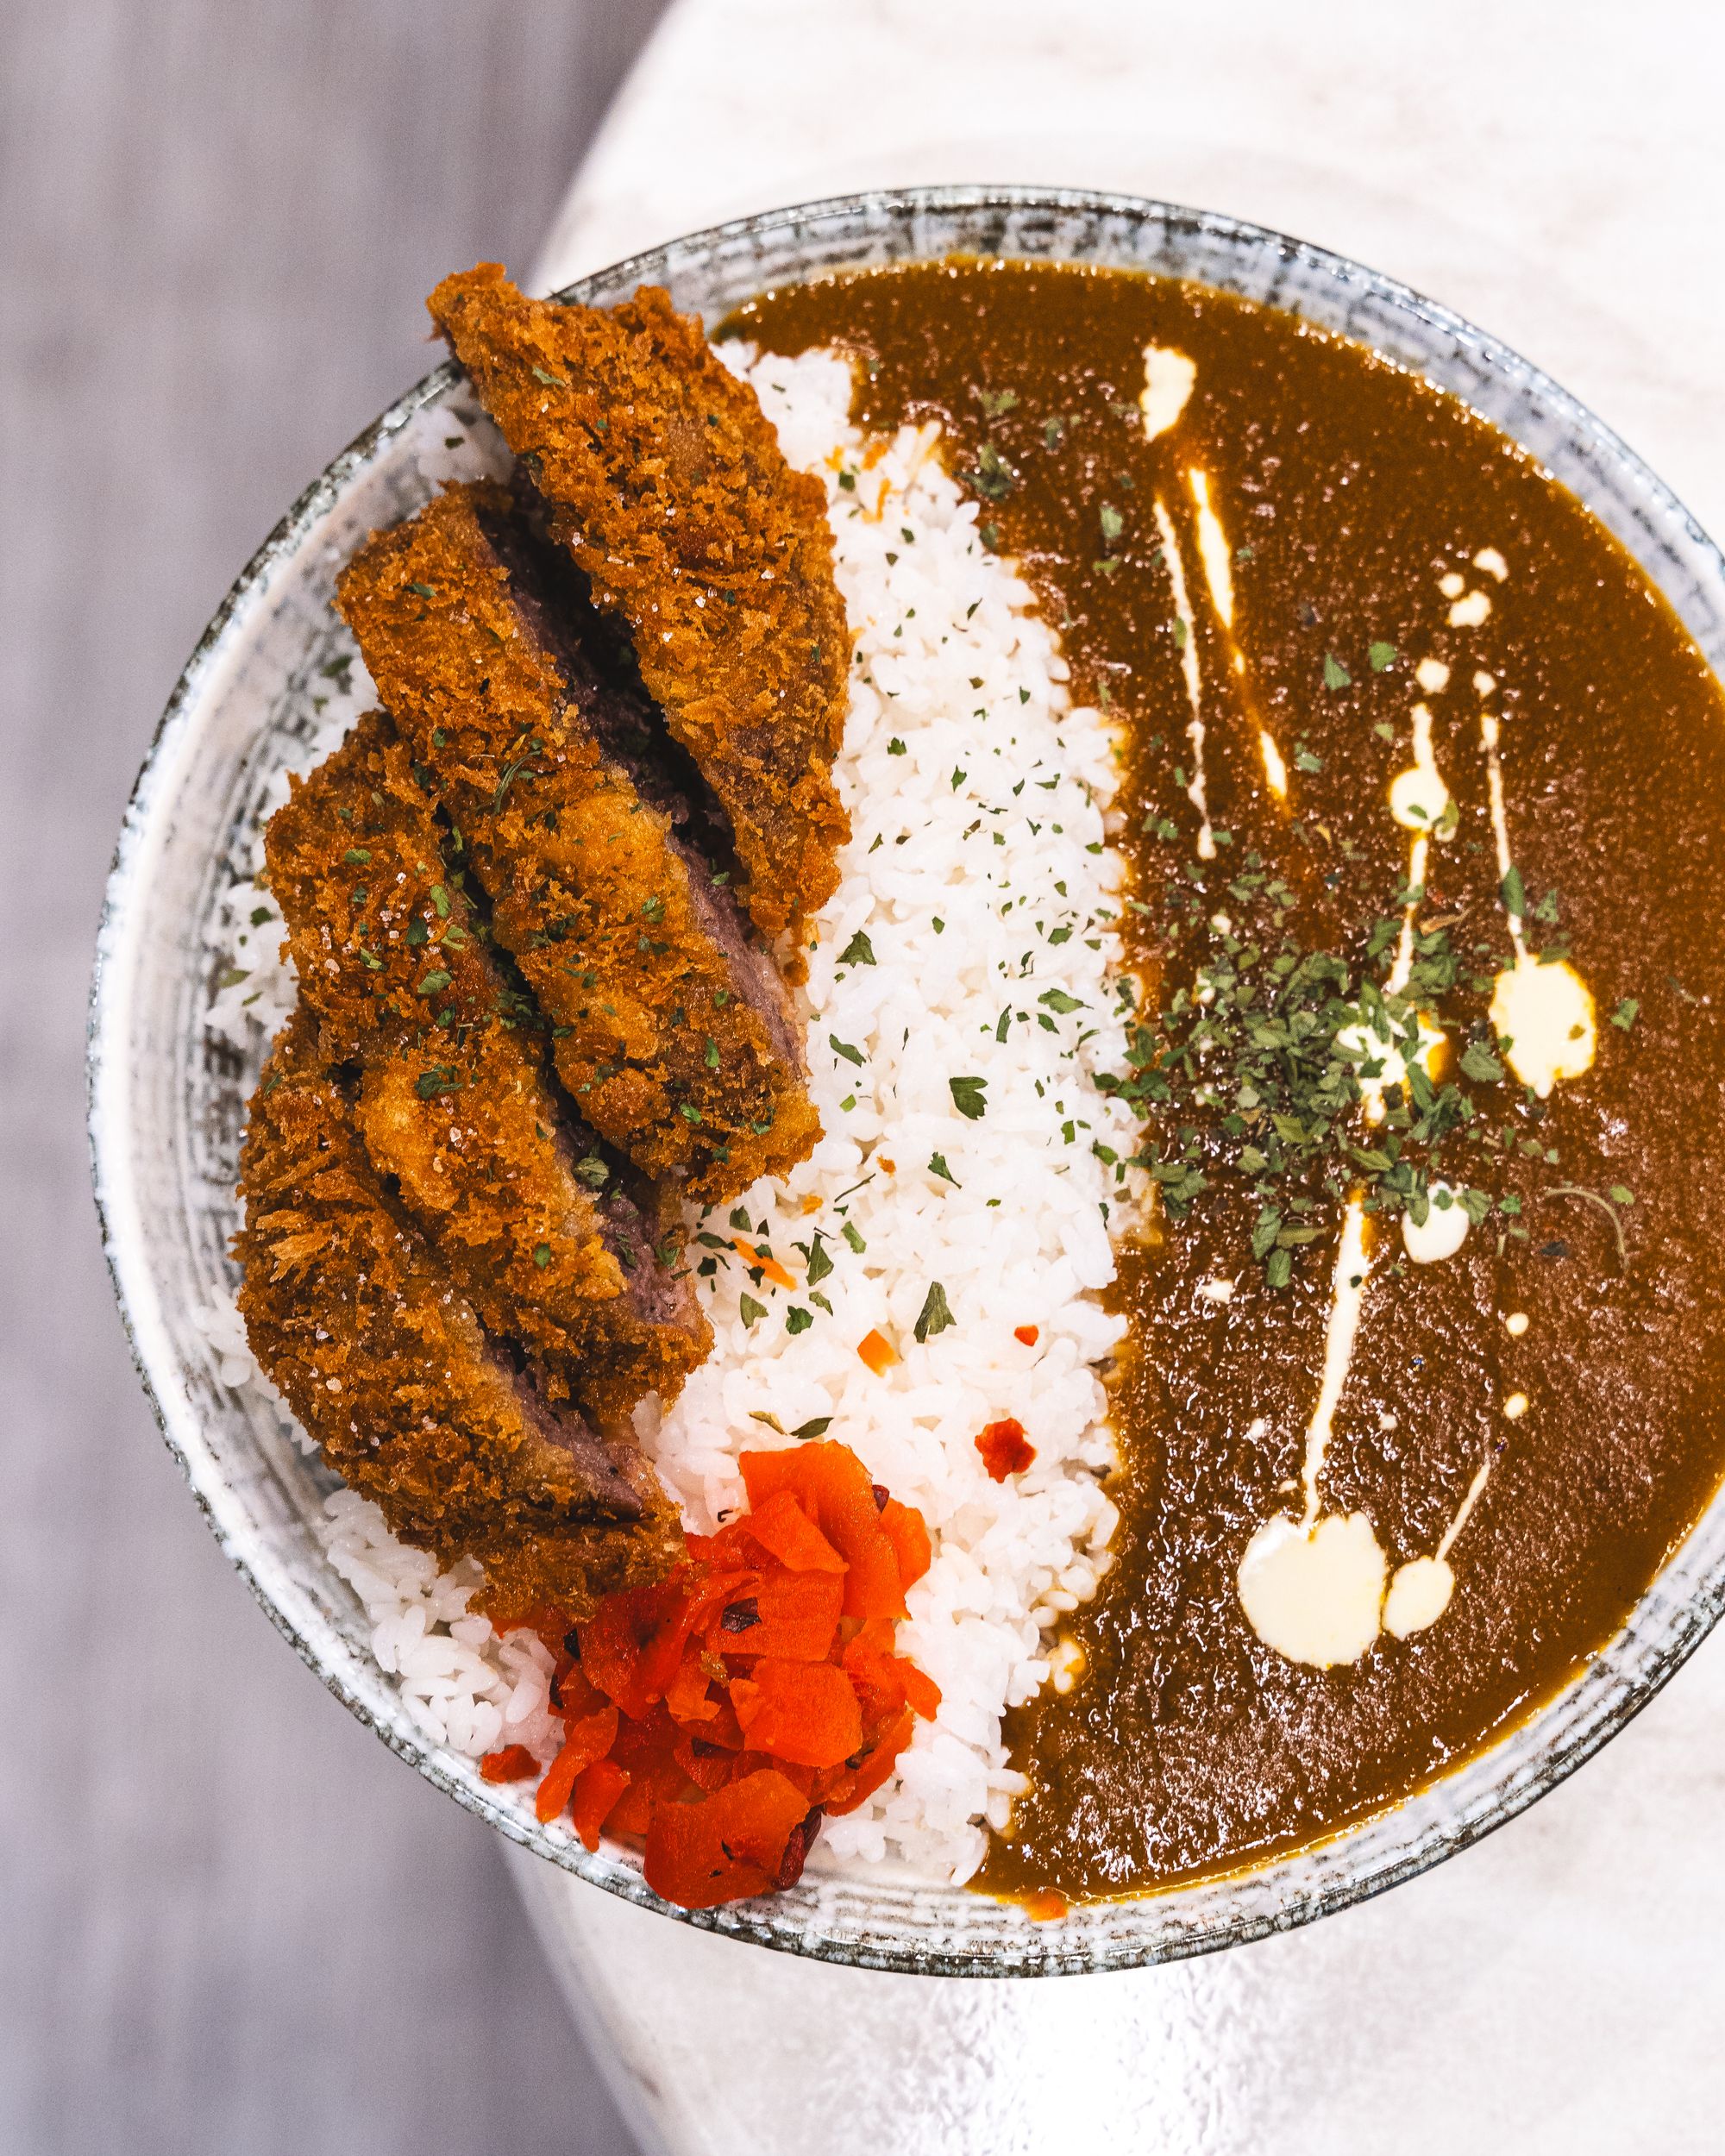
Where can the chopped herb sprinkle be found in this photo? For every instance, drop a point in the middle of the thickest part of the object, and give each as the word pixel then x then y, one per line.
pixel 937 1313
pixel 967 1096
pixel 992 477
pixel 1259 1073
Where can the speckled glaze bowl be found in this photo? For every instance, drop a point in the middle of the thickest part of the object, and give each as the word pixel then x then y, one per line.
pixel 166 1103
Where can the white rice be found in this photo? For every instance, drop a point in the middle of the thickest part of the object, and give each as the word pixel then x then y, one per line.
pixel 979 874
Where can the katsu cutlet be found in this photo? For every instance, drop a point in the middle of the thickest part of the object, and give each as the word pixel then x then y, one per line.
pixel 671 1031
pixel 660 474
pixel 451 1097
pixel 388 1367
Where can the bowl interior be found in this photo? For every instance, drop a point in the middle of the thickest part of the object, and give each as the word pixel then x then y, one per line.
pixel 166 1102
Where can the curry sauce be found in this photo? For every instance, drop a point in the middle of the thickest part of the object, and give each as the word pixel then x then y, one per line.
pixel 1390 698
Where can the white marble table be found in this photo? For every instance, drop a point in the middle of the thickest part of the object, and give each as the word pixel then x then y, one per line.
pixel 1557 172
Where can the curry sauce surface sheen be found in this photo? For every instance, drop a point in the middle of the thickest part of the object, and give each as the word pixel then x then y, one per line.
pixel 1347 489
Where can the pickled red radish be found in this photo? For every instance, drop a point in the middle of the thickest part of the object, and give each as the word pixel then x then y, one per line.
pixel 717 1717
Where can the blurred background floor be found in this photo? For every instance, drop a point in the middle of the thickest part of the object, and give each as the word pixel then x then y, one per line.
pixel 229 1920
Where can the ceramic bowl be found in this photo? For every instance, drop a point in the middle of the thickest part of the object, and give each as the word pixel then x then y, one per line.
pixel 166 1103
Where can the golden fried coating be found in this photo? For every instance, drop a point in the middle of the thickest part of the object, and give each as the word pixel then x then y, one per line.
pixel 670 1031
pixel 453 1102
pixel 388 1366
pixel 666 482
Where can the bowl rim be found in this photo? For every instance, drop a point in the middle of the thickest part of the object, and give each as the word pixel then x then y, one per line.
pixel 105 1044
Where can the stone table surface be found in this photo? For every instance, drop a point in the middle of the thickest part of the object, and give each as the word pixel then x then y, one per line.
pixel 1556 173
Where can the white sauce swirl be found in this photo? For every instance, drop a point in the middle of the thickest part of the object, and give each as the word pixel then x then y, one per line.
pixel 1189 665
pixel 1543 1014
pixel 1441 1233
pixel 1314 1589
pixel 1169 376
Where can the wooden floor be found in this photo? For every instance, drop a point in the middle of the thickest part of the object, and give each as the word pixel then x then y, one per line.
pixel 229 1920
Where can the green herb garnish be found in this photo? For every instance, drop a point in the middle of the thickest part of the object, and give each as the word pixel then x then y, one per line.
pixel 511 772
pixel 1608 1205
pixel 967 1096
pixel 937 1313
pixel 1260 1073
pixel 993 477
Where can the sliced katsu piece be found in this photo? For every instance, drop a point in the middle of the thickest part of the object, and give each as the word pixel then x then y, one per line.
pixel 672 1032
pixel 452 1101
pixel 661 474
pixel 386 1364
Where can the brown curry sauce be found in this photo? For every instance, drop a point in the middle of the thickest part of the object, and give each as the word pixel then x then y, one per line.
pixel 1347 488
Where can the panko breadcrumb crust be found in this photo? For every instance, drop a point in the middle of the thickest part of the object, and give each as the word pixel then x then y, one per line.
pixel 452 1101
pixel 665 482
pixel 449 1290
pixel 657 1037
pixel 388 1366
